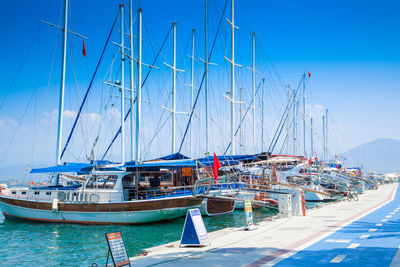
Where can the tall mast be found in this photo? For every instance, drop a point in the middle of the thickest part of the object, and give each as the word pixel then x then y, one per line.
pixel 312 138
pixel 326 135
pixel 262 116
pixel 191 96
pixel 131 77
pixel 253 68
pixel 174 89
pixel 206 68
pixel 304 114
pixel 62 87
pixel 240 119
pixel 138 85
pixel 323 137
pixel 121 7
pixel 232 22
pixel 294 124
pixel 287 124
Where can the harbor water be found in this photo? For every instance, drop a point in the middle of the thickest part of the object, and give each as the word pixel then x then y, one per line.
pixel 23 243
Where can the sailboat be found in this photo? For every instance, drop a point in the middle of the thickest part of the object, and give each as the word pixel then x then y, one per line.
pixel 93 194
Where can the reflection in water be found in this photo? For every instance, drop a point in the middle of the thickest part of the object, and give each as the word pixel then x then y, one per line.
pixel 48 244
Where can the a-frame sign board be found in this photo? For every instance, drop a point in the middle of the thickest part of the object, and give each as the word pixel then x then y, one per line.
pixel 116 248
pixel 194 231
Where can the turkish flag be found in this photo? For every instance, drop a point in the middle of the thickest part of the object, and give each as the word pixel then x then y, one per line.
pixel 216 166
pixel 309 74
pixel 84 49
pixel 310 161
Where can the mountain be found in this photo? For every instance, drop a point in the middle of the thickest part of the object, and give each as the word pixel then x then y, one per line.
pixel 380 155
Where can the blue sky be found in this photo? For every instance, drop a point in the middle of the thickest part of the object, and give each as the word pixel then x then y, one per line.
pixel 351 49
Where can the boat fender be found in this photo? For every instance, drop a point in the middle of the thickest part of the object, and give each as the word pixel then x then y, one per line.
pixel 55 205
pixel 44 184
pixel 1 188
pixel 32 183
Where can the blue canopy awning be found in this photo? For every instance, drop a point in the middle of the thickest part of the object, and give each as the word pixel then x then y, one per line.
pixel 174 156
pixel 67 167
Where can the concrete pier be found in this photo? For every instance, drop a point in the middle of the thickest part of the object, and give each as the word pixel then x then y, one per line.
pixel 356 233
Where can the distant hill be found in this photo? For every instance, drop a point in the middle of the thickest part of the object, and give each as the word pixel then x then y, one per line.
pixel 380 155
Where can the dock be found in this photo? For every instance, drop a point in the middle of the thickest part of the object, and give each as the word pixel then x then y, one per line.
pixel 356 233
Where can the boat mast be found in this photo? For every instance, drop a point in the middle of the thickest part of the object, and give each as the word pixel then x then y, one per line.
pixel 294 124
pixel 206 68
pixel 326 135
pixel 287 121
pixel 241 120
pixel 191 95
pixel 232 61
pixel 312 137
pixel 323 137
pixel 131 76
pixel 174 88
pixel 304 114
pixel 253 69
pixel 121 7
pixel 62 87
pixel 262 116
pixel 138 86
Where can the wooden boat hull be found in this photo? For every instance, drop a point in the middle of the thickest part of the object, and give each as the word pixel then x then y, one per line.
pixel 213 206
pixel 131 212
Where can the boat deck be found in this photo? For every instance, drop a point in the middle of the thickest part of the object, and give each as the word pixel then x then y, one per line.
pixel 362 233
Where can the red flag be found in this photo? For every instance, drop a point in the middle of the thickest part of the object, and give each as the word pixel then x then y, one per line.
pixel 336 156
pixel 310 161
pixel 216 166
pixel 316 158
pixel 84 49
pixel 309 74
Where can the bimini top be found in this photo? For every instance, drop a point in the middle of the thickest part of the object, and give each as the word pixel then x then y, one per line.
pixel 176 164
pixel 80 168
pixel 66 167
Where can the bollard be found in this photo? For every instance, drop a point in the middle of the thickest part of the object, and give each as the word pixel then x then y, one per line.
pixel 284 205
pixel 303 203
pixel 296 201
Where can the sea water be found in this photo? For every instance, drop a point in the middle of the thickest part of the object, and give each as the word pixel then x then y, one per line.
pixel 26 243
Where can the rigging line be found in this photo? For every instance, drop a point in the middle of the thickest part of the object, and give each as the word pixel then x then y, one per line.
pixel 88 90
pixel 242 119
pixel 283 119
pixel 202 80
pixel 144 81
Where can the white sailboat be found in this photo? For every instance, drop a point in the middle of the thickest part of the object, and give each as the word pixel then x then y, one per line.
pixel 109 196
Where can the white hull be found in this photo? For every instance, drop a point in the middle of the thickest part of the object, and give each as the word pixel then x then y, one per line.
pixel 126 217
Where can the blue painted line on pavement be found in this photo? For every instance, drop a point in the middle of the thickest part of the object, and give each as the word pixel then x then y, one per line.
pixel 378 249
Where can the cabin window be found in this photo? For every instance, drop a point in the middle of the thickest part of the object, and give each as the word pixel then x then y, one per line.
pixel 48 193
pixel 13 192
pixel 37 193
pixel 23 193
pixel 102 181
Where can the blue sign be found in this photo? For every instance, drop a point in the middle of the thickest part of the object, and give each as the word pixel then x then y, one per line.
pixel 194 231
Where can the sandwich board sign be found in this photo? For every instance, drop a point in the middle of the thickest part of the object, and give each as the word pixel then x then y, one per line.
pixel 116 248
pixel 249 213
pixel 194 231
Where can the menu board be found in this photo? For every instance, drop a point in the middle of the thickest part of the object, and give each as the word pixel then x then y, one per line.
pixel 194 231
pixel 117 249
pixel 249 212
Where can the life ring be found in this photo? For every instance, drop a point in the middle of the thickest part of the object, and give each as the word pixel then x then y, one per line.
pixel 32 182
pixel 44 184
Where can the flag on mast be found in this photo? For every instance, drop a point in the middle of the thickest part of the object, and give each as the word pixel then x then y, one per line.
pixel 216 166
pixel 84 49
